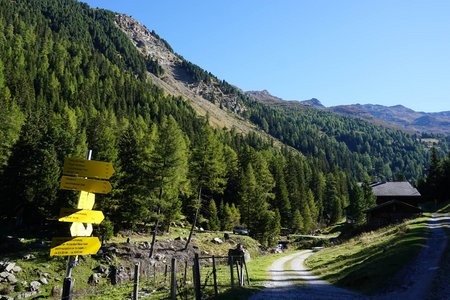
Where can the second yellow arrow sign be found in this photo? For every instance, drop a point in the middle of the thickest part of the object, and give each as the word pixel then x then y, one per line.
pixel 88 185
pixel 80 215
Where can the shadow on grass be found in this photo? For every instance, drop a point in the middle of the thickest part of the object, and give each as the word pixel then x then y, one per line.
pixel 371 268
pixel 240 293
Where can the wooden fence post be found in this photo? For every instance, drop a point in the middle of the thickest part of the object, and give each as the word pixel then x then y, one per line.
pixel 197 283
pixel 173 279
pixel 185 279
pixel 214 275
pixel 165 274
pixel 246 272
pixel 241 279
pixel 136 281
pixel 231 260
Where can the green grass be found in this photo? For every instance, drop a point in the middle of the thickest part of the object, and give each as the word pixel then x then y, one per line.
pixel 367 262
pixel 258 270
pixel 445 208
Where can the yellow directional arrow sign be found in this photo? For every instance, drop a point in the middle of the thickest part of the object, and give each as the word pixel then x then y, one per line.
pixel 87 185
pixel 86 200
pixel 80 215
pixel 74 246
pixel 78 229
pixel 87 168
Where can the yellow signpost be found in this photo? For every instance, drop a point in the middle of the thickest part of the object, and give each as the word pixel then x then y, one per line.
pixel 87 185
pixel 87 168
pixel 74 246
pixel 81 243
pixel 80 215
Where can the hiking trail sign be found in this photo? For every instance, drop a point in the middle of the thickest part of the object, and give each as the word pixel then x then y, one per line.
pixel 78 176
pixel 87 168
pixel 74 246
pixel 87 185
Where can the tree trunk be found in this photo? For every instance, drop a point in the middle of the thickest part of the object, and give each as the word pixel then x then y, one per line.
pixel 155 230
pixel 157 220
pixel 195 218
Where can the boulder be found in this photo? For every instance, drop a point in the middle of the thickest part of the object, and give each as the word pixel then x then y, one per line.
pixel 9 267
pixel 44 281
pixel 101 269
pixel 28 257
pixel 35 286
pixel 4 274
pixel 11 279
pixel 26 295
pixel 17 269
pixel 55 292
pixel 217 240
pixel 94 279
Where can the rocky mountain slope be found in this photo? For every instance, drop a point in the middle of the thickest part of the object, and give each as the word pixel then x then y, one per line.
pixel 206 98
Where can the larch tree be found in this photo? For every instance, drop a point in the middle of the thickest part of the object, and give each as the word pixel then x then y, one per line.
pixel 167 173
pixel 207 170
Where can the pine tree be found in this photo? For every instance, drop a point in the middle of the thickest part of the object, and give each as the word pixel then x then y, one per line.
pixel 247 194
pixel 357 204
pixel 213 222
pixel 297 222
pixel 332 202
pixel 434 176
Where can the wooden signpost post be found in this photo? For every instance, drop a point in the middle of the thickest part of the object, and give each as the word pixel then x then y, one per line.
pixel 81 175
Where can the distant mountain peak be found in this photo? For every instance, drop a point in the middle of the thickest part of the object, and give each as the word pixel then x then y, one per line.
pixel 313 102
pixel 264 96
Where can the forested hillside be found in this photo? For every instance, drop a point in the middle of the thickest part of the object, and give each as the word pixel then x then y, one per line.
pixel 70 80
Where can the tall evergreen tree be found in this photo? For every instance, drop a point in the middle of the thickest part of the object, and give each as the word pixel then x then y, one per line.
pixel 213 221
pixel 208 169
pixel 167 173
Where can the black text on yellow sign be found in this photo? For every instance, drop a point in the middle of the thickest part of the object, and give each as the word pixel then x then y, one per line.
pixel 87 185
pixel 80 215
pixel 74 246
pixel 87 168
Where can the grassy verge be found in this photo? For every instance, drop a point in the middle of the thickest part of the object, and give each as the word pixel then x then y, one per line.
pixel 258 273
pixel 367 262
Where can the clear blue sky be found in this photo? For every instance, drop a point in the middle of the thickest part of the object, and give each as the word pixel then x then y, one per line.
pixel 341 52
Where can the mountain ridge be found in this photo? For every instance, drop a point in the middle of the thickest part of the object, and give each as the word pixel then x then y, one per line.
pixel 395 116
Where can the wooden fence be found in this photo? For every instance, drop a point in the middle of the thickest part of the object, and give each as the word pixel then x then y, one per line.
pixel 201 278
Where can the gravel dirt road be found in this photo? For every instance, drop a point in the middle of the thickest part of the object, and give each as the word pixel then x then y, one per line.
pixel 291 279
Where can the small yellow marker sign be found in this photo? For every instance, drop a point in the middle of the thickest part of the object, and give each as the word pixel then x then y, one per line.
pixel 74 246
pixel 80 215
pixel 78 229
pixel 87 168
pixel 87 185
pixel 86 200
